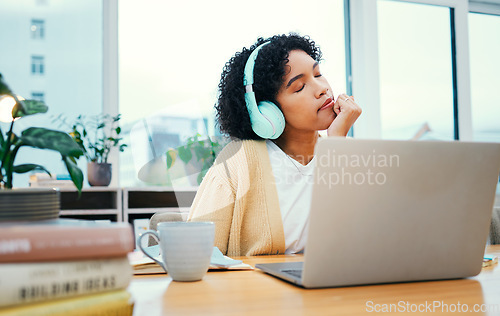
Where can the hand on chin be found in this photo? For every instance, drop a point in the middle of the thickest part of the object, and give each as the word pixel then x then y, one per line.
pixel 346 112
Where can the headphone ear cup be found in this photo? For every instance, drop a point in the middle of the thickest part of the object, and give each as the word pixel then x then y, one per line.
pixel 266 118
pixel 260 124
pixel 274 116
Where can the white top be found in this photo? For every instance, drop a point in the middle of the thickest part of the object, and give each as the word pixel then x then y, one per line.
pixel 294 184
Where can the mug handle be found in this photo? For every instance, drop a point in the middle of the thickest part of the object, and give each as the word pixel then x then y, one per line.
pixel 155 236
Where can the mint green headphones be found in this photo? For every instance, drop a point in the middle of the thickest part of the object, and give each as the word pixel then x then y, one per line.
pixel 267 119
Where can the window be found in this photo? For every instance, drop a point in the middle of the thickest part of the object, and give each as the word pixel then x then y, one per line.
pixel 169 71
pixel 39 96
pixel 416 73
pixel 484 46
pixel 37 29
pixel 65 69
pixel 37 65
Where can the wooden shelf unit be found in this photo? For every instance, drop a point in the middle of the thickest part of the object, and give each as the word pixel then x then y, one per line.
pixel 94 203
pixel 125 204
pixel 145 201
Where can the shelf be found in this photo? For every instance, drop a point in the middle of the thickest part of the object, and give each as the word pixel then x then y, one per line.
pixel 125 204
pixel 162 189
pixel 94 203
pixel 89 212
pixel 91 189
pixel 145 201
pixel 160 210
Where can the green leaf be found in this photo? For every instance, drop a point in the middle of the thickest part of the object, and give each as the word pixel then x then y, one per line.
pixel 75 134
pixel 171 156
pixel 4 88
pixel 206 165
pixel 200 177
pixel 93 135
pixel 185 154
pixel 202 152
pixel 74 172
pixel 2 140
pixel 48 139
pixel 29 167
pixel 29 107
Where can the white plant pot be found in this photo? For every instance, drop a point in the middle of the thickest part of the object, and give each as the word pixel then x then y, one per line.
pixel 99 174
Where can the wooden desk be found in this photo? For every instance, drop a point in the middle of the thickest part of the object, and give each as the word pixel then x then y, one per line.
pixel 253 292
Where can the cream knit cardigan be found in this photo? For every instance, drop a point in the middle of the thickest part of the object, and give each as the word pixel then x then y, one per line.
pixel 239 195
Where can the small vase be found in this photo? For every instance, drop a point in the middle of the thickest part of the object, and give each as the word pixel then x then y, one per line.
pixel 99 174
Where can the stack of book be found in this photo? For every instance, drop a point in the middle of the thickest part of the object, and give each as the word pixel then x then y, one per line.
pixel 65 267
pixel 43 180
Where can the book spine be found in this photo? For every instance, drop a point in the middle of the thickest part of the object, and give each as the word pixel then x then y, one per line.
pixel 52 184
pixel 115 303
pixel 31 282
pixel 50 243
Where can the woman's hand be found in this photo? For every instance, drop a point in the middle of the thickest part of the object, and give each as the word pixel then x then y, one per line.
pixel 346 113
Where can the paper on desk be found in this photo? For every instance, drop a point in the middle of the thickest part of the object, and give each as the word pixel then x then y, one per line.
pixel 489 260
pixel 144 265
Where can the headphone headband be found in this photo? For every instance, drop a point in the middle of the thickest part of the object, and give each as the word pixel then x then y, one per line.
pixel 248 72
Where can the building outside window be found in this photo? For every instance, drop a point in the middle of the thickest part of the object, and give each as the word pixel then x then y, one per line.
pixel 39 96
pixel 71 49
pixel 37 65
pixel 37 29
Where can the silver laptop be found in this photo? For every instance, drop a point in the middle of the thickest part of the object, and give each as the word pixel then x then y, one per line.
pixel 396 211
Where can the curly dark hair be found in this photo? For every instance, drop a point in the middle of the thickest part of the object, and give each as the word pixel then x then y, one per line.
pixel 269 74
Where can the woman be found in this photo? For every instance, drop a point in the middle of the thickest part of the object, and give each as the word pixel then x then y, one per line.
pixel 258 191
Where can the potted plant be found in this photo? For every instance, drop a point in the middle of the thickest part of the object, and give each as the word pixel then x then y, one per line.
pixel 36 137
pixel 96 135
pixel 202 149
pixel 12 108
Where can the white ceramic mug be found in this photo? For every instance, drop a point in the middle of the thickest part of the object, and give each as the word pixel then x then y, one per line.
pixel 186 248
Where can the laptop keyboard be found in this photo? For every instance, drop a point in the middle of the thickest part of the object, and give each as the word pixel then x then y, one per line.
pixel 295 272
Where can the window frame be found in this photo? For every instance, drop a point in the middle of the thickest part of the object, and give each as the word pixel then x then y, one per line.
pixel 366 86
pixel 37 65
pixel 486 9
pixel 110 93
pixel 39 33
pixel 38 95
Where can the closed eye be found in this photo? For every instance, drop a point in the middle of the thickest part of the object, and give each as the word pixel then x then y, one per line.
pixel 301 88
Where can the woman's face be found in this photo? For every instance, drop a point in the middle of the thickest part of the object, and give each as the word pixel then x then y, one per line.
pixel 305 98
